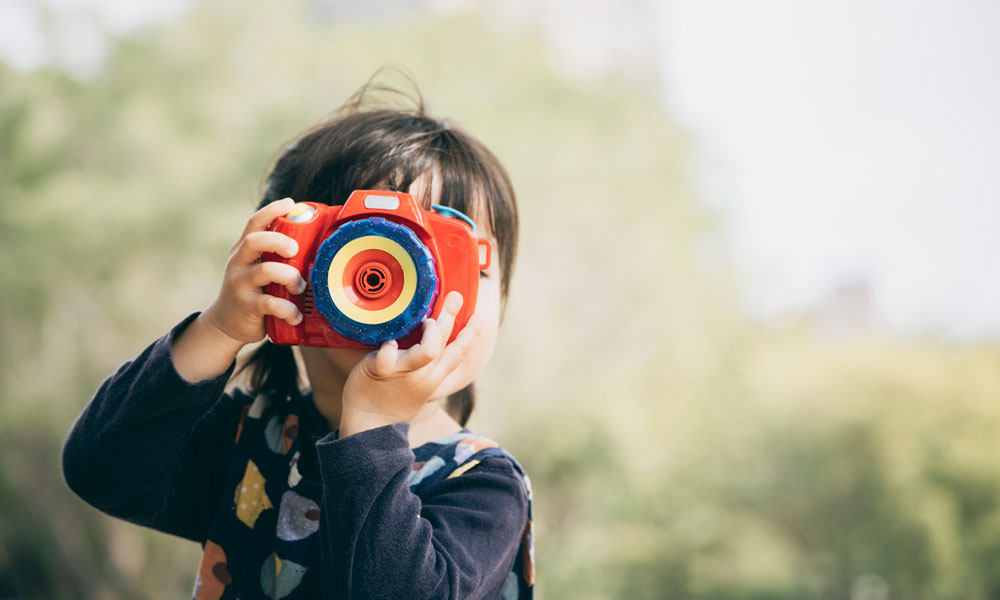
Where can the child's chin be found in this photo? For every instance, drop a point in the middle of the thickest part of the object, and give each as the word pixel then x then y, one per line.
pixel 341 359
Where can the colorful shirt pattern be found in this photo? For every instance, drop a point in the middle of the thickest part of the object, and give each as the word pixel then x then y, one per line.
pixel 291 511
pixel 289 525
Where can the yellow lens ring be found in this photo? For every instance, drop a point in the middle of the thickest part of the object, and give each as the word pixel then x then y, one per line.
pixel 335 280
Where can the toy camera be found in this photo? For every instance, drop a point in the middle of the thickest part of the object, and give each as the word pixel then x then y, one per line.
pixel 376 267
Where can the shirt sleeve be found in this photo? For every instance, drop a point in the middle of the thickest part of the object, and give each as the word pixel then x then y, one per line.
pixel 152 448
pixel 382 541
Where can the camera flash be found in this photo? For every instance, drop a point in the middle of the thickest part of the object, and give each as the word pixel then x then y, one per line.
pixel 381 202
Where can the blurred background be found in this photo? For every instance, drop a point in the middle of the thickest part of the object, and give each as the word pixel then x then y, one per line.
pixel 753 344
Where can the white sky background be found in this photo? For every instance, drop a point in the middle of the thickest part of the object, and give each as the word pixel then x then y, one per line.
pixel 857 138
pixel 79 41
pixel 840 140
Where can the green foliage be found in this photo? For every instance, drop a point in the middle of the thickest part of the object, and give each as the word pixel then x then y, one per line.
pixel 677 450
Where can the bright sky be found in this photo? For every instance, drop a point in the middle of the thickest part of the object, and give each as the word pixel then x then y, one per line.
pixel 81 42
pixel 839 140
pixel 850 139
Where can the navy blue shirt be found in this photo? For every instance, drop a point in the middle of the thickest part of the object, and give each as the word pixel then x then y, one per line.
pixel 285 509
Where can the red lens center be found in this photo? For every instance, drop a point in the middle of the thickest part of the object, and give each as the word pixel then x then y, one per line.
pixel 372 280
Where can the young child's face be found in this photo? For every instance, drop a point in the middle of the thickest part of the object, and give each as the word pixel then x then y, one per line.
pixel 487 307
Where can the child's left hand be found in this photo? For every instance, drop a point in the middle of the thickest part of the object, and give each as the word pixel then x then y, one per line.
pixel 389 386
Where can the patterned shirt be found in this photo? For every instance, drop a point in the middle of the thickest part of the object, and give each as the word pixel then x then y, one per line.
pixel 286 509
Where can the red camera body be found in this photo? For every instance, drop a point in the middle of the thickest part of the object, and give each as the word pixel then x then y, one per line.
pixel 375 267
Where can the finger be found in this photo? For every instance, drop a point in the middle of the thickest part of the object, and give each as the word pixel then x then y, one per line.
pixel 385 360
pixel 452 304
pixel 253 245
pixel 263 217
pixel 267 272
pixel 459 350
pixel 279 308
pixel 425 352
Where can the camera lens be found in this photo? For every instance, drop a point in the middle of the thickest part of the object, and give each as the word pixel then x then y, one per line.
pixel 374 280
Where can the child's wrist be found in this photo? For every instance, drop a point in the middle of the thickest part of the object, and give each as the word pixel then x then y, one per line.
pixel 211 322
pixel 217 336
pixel 356 420
pixel 201 352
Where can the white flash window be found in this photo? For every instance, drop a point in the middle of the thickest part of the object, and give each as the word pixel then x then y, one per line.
pixel 382 202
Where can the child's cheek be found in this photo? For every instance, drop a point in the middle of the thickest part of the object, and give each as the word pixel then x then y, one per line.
pixel 488 308
pixel 469 369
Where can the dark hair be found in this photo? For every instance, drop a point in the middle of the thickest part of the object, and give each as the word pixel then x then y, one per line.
pixel 384 147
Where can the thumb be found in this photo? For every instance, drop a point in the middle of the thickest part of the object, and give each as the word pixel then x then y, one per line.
pixel 385 358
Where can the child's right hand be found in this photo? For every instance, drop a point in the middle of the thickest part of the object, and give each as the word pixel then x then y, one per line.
pixel 240 309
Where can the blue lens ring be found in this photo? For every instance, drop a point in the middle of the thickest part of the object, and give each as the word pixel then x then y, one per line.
pixel 423 298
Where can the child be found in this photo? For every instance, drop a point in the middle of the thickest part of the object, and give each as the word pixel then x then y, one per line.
pixel 364 485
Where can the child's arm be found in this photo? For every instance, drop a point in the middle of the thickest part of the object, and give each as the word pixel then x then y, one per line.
pixel 380 540
pixel 151 447
pixel 153 443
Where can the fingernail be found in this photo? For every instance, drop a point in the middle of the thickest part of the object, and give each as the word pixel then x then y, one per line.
pixel 298 319
pixel 302 285
pixel 293 248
